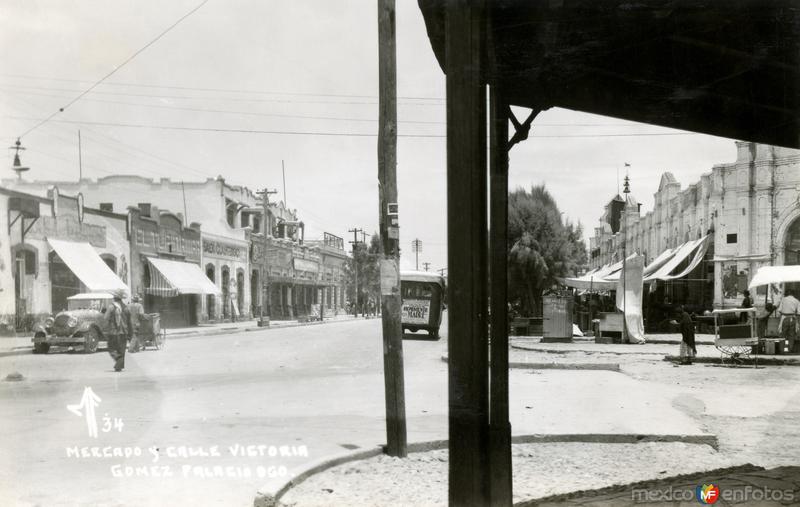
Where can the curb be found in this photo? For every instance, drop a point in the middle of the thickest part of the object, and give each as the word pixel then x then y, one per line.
pixel 567 351
pixel 766 361
pixel 271 494
pixel 232 330
pixel 560 366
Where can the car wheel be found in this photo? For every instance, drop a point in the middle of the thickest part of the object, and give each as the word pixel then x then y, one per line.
pixel 91 340
pixel 41 348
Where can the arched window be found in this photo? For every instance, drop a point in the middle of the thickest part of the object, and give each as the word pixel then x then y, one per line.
pixel 110 261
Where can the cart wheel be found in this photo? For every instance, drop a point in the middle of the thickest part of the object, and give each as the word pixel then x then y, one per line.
pixel 90 341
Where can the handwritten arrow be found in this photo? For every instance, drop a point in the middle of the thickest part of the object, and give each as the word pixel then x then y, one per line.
pixel 89 401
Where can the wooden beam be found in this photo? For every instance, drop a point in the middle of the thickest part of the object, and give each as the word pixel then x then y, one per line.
pixel 500 428
pixel 390 236
pixel 467 253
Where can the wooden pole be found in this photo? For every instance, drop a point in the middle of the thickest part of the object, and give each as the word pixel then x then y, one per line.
pixel 467 253
pixel 499 426
pixel 396 444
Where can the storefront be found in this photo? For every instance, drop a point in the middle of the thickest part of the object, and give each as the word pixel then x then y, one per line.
pixel 52 248
pixel 225 262
pixel 160 246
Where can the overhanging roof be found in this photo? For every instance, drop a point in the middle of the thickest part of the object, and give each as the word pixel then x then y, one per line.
pixel 726 68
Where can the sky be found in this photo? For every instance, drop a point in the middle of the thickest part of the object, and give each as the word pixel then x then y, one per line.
pixel 240 88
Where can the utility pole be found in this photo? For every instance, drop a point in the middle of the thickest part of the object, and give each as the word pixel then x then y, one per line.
pixel 355 243
pixel 442 271
pixel 416 247
pixel 394 382
pixel 427 265
pixel 264 274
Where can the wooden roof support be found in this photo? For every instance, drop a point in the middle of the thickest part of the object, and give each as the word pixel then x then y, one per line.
pixel 467 254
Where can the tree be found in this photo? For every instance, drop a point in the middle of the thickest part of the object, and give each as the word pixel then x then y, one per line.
pixel 366 257
pixel 542 247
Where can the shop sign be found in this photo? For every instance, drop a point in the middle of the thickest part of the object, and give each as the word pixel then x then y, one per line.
pixel 221 249
pixel 306 265
pixel 68 227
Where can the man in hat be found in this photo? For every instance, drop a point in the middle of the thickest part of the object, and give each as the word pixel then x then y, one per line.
pixel 137 314
pixel 119 329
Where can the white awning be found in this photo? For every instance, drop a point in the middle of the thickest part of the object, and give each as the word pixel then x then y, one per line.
pixel 665 272
pixel 171 278
pixel 659 261
pixel 595 279
pixel 767 275
pixel 85 263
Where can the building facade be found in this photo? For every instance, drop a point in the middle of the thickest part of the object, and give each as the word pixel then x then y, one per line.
pixel 53 247
pixel 213 203
pixel 301 279
pixel 159 239
pixel 749 208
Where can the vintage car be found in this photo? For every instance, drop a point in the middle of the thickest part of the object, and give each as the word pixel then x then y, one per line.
pixel 83 323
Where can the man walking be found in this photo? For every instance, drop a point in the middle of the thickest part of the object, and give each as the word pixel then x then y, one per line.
pixel 119 329
pixel 137 314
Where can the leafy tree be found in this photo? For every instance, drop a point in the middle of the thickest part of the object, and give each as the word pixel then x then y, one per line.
pixel 542 247
pixel 367 258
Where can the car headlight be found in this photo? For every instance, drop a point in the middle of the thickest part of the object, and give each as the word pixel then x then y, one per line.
pixel 49 322
pixel 72 322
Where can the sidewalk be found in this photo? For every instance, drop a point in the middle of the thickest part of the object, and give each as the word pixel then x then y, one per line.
pixel 22 342
pixel 777 486
pixel 657 346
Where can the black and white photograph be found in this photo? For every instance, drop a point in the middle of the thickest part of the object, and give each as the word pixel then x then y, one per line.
pixel 312 253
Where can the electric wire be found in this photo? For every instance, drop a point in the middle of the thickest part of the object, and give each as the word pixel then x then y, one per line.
pixel 118 67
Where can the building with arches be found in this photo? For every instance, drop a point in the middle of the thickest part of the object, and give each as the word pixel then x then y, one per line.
pixel 750 209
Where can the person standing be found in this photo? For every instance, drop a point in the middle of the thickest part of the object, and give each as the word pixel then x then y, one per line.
pixel 119 328
pixel 137 315
pixel 747 302
pixel 688 348
pixel 788 309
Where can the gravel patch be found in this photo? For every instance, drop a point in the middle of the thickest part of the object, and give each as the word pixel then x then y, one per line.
pixel 539 470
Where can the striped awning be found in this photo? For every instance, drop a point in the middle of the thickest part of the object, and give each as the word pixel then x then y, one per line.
pixel 172 278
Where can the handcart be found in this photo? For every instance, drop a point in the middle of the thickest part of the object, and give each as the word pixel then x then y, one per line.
pixel 736 341
pixel 151 333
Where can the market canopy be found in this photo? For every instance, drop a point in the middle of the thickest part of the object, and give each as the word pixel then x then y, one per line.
pixel 768 275
pixel 85 263
pixel 662 267
pixel 172 278
pixel 698 247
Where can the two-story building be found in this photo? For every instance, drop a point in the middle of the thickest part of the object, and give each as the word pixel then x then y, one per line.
pixel 749 209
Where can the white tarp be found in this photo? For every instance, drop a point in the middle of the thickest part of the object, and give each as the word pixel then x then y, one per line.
pixel 629 297
pixel 597 279
pixel 665 272
pixel 767 275
pixel 84 261
pixel 659 261
pixel 177 277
